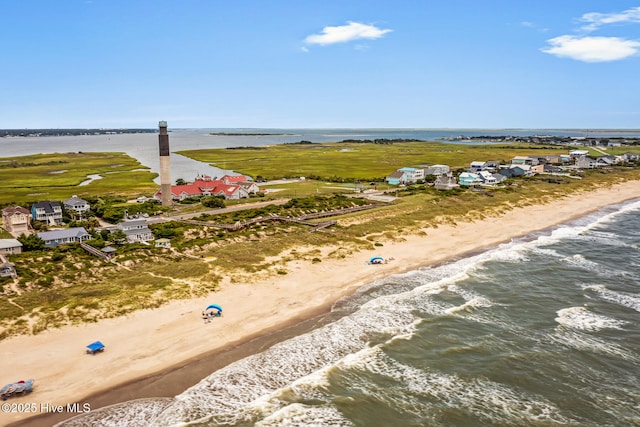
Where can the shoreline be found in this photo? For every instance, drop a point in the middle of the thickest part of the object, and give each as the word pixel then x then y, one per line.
pixel 154 351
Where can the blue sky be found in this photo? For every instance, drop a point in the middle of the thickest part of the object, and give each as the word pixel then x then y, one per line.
pixel 317 64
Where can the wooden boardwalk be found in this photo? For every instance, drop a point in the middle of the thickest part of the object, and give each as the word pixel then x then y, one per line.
pixel 303 219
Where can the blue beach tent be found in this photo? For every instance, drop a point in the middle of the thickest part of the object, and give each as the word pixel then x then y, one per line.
pixel 215 307
pixel 95 347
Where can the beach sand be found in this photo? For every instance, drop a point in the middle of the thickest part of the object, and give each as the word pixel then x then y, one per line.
pixel 163 351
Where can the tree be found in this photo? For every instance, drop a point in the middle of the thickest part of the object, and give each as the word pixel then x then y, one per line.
pixel 31 242
pixel 213 201
pixel 181 181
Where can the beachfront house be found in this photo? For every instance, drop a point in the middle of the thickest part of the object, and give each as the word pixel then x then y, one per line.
pixel 413 174
pixel 525 160
pixel 405 176
pixel 136 230
pixel 48 212
pixel 511 171
pixel 487 178
pixel 17 220
pixel 469 178
pixel 436 170
pixel 76 204
pixel 396 178
pixel 69 235
pixel 576 154
pixel 445 182
pixel 10 246
pixel 476 166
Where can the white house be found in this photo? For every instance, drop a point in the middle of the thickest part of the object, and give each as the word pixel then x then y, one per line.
pixel 77 204
pixel 487 178
pixel 136 230
pixel 413 175
pixel 436 170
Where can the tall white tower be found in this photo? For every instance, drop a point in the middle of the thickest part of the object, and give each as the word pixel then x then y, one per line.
pixel 165 164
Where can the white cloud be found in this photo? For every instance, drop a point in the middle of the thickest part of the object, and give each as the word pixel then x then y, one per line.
pixel 592 49
pixel 346 33
pixel 596 20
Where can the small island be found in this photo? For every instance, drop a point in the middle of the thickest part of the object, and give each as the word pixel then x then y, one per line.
pixel 249 134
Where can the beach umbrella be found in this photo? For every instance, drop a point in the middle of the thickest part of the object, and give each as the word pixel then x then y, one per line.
pixel 214 306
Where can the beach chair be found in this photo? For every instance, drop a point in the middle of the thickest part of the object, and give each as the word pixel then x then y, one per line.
pixel 95 347
pixel 17 388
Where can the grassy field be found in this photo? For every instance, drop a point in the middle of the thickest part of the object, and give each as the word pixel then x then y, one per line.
pixel 357 161
pixel 57 176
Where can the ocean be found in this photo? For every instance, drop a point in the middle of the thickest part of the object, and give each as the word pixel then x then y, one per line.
pixel 539 331
pixel 144 146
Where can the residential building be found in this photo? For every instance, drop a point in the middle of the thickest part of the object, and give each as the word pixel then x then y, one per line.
pixel 511 171
pixel 413 174
pixel 575 154
pixel 68 235
pixel 469 179
pixel 17 220
pixel 230 187
pixel 405 176
pixel 10 246
pixel 47 212
pixel 396 178
pixel 76 204
pixel 136 230
pixel 476 166
pixel 525 160
pixel 445 182
pixel 487 178
pixel 436 170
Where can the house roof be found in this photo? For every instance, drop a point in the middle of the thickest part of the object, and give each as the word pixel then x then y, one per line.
pixel 47 205
pixel 233 178
pixel 9 243
pixel 62 234
pixel 75 200
pixel 396 174
pixel 133 223
pixel 12 210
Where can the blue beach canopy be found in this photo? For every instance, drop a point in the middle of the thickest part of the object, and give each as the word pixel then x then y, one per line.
pixel 95 346
pixel 216 306
pixel 376 258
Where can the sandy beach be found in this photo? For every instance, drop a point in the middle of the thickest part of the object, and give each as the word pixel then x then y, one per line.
pixel 161 344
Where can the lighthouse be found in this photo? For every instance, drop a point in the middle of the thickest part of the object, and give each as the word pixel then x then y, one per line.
pixel 165 164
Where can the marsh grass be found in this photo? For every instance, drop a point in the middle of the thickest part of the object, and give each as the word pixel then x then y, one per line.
pixel 57 176
pixel 340 161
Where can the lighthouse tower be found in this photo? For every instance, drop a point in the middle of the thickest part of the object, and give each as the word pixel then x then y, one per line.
pixel 165 164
